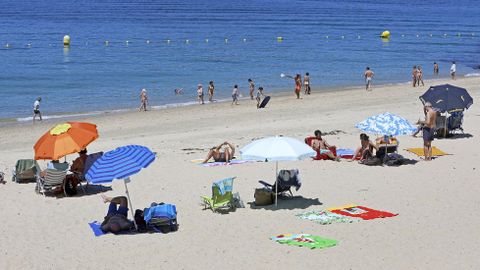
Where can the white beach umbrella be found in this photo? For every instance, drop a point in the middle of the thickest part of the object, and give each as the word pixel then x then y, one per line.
pixel 276 149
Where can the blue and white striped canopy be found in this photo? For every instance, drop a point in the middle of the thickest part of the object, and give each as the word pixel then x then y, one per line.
pixel 386 124
pixel 119 164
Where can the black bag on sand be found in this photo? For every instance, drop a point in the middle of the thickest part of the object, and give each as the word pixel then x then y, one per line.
pixel 263 196
pixel 372 161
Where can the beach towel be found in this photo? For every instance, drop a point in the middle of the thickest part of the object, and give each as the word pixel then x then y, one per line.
pixel 215 164
pixel 324 217
pixel 304 240
pixel 435 151
pixel 362 212
pixel 345 153
pixel 95 226
pixel 224 185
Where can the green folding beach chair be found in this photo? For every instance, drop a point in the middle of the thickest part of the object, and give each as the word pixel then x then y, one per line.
pixel 25 170
pixel 222 196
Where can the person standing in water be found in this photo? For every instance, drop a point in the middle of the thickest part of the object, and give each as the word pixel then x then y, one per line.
pixel 298 83
pixel 368 78
pixel 143 100
pixel 211 90
pixel 36 109
pixel 306 83
pixel 435 68
pixel 453 70
pixel 414 76
pixel 200 94
pixel 235 95
pixel 251 86
pixel 420 76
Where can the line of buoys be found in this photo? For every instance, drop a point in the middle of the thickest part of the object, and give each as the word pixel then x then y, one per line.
pixel 66 40
pixel 385 34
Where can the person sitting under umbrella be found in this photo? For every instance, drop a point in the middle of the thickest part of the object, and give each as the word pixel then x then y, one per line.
pixel 365 151
pixel 116 219
pixel 219 156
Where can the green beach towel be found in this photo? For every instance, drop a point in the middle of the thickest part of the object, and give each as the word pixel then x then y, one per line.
pixel 324 217
pixel 304 240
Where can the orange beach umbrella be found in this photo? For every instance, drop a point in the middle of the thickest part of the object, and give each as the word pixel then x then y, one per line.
pixel 64 139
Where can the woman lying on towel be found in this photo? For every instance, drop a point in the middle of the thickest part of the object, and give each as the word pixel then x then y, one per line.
pixel 219 156
pixel 365 151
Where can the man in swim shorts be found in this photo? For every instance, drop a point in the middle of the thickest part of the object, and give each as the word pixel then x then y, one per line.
pixel 320 144
pixel 453 70
pixel 36 109
pixel 368 79
pixel 428 130
pixel 116 219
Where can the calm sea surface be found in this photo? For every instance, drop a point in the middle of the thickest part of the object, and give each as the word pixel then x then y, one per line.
pixel 93 76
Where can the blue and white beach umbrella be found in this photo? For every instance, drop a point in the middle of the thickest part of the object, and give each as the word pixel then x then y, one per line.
pixel 386 124
pixel 120 163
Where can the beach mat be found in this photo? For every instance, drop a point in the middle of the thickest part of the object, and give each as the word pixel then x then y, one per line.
pixel 95 226
pixel 362 212
pixel 264 102
pixel 345 153
pixel 435 151
pixel 304 240
pixel 324 217
pixel 215 164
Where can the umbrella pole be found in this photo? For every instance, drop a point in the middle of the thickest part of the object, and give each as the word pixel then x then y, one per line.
pixel 276 183
pixel 129 201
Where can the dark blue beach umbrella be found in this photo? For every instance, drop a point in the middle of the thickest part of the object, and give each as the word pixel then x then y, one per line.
pixel 447 97
pixel 120 163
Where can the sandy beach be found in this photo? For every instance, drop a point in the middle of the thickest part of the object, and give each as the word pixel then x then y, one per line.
pixel 436 227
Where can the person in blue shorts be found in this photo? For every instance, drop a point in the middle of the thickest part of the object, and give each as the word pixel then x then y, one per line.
pixel 116 219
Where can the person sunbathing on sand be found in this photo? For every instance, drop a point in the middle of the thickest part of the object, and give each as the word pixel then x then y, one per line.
pixel 366 149
pixel 218 155
pixel 320 144
pixel 116 219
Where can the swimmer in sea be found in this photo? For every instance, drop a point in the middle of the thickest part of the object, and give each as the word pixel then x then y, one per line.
pixel 211 90
pixel 200 94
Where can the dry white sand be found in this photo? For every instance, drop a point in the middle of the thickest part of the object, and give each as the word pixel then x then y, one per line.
pixel 437 202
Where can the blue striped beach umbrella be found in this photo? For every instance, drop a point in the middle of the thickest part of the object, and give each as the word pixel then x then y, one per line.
pixel 120 163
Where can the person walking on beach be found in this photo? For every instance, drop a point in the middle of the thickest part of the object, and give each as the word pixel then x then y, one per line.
pixel 235 95
pixel 143 100
pixel 36 109
pixel 251 86
pixel 435 68
pixel 306 83
pixel 211 90
pixel 453 70
pixel 420 76
pixel 259 96
pixel 414 76
pixel 368 78
pixel 428 130
pixel 200 94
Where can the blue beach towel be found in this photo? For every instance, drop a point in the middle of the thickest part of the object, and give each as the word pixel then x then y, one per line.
pixel 95 226
pixel 345 152
pixel 224 185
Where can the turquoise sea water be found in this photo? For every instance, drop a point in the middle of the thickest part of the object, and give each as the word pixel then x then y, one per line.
pixel 91 76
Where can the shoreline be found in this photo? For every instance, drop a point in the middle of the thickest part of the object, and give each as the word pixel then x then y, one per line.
pixel 59 117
